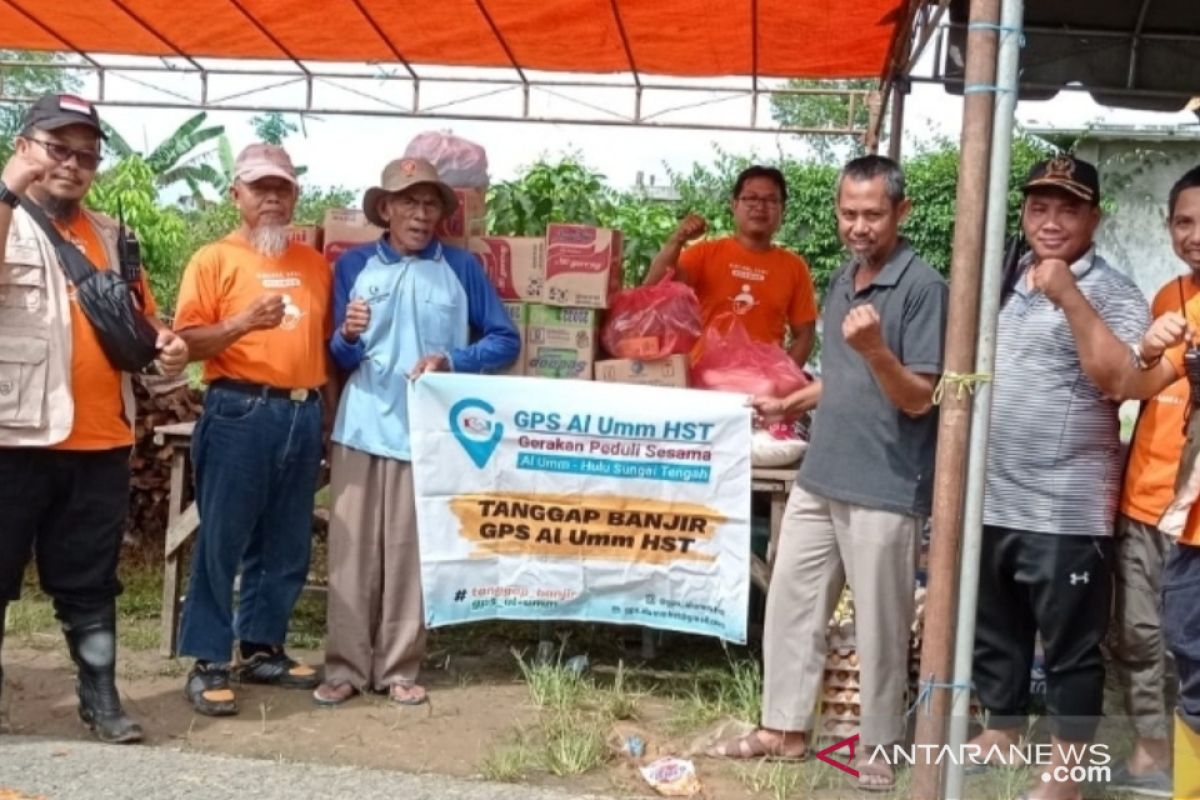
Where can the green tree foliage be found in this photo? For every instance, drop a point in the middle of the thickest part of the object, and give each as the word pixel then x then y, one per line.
pixel 178 158
pixel 35 77
pixel 825 111
pixel 568 191
pixel 129 189
pixel 273 127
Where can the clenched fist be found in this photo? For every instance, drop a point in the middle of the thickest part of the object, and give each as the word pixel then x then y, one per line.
pixel 358 317
pixel 264 313
pixel 21 172
pixel 1167 331
pixel 1053 278
pixel 861 329
pixel 172 353
pixel 690 227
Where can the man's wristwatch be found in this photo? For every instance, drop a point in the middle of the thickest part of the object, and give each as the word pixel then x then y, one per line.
pixel 9 196
pixel 1141 362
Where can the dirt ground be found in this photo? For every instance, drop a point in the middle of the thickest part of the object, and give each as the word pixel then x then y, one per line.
pixel 466 719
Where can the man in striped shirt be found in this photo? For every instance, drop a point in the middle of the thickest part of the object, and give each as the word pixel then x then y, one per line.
pixel 1053 471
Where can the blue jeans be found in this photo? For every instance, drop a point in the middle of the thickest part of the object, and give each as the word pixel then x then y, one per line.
pixel 256 461
pixel 1181 625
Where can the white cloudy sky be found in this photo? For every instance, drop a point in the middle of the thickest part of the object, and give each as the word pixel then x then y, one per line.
pixel 351 150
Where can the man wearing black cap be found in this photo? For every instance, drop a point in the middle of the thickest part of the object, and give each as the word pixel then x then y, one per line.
pixel 66 413
pixel 1053 472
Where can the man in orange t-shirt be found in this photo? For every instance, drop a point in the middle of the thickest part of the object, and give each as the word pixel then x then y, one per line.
pixel 767 287
pixel 1139 655
pixel 1157 506
pixel 65 411
pixel 256 308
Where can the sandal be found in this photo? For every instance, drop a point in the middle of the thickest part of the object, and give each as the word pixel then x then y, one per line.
pixel 868 770
pixel 408 694
pixel 752 746
pixel 333 693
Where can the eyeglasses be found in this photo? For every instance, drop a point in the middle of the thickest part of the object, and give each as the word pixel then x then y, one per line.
pixel 86 159
pixel 755 200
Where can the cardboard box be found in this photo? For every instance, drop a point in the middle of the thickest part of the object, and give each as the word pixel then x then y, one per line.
pixel 515 265
pixel 306 234
pixel 468 220
pixel 519 313
pixel 561 342
pixel 669 371
pixel 583 265
pixel 345 229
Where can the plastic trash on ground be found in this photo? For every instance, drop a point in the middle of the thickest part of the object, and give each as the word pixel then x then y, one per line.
pixel 672 777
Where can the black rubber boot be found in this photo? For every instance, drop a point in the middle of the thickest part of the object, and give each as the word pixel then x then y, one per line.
pixel 93 644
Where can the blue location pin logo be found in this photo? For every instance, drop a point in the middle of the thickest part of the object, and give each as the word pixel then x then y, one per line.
pixel 477 433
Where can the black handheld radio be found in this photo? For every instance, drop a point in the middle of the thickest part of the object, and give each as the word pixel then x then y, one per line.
pixel 129 257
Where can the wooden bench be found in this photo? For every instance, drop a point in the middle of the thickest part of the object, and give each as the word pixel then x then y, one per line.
pixel 183 522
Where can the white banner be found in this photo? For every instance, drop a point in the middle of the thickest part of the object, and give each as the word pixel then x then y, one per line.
pixel 561 499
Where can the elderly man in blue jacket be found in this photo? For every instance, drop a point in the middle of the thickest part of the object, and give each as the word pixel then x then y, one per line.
pixel 404 305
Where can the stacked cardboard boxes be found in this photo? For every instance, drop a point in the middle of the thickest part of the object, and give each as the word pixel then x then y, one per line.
pixel 345 229
pixel 555 288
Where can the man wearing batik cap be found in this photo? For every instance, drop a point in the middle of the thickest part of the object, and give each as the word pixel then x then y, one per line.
pixel 254 307
pixel 1053 471
pixel 66 413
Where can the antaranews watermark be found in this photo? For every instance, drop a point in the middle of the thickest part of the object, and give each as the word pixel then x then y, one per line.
pixel 1078 763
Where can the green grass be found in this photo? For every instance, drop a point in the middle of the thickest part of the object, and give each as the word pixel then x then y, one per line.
pixel 510 762
pixel 734 690
pixel 553 685
pixel 572 744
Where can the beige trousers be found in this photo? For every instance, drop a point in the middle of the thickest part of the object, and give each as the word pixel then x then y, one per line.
pixel 376 616
pixel 822 545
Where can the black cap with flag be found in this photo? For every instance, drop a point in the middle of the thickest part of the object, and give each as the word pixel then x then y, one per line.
pixel 1066 173
pixel 54 111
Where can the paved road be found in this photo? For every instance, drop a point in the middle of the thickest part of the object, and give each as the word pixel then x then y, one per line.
pixel 74 770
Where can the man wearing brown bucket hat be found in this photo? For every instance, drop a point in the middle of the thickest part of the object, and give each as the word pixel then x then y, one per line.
pixel 403 305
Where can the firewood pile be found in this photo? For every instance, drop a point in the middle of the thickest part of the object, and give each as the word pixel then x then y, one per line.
pixel 160 401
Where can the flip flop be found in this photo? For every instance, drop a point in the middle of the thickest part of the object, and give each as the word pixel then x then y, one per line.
pixel 752 746
pixel 399 693
pixel 332 693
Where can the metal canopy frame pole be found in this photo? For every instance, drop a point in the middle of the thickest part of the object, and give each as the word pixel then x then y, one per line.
pixel 1003 120
pixel 954 422
pixel 379 103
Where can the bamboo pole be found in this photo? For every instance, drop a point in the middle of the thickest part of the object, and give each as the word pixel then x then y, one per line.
pixel 955 411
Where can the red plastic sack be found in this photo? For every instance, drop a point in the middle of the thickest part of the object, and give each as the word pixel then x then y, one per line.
pixel 726 358
pixel 654 321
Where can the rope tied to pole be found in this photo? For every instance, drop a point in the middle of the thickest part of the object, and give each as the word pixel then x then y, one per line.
pixel 962 383
pixel 925 694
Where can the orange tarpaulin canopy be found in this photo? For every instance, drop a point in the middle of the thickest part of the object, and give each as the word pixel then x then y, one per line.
pixel 778 38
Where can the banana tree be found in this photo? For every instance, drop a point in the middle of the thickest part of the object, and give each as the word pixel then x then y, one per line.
pixel 178 158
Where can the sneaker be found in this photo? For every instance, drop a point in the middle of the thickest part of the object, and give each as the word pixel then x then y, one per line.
pixel 207 689
pixel 275 668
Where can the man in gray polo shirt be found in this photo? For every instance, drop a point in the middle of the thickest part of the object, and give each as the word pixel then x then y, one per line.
pixel 865 486
pixel 1053 471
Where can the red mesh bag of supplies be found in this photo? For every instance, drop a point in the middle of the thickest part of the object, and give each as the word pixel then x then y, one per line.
pixel 726 358
pixel 654 321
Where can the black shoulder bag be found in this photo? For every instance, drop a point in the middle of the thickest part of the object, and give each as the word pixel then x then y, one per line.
pixel 104 295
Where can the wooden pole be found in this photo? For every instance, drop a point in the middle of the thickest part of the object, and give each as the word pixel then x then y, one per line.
pixel 954 425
